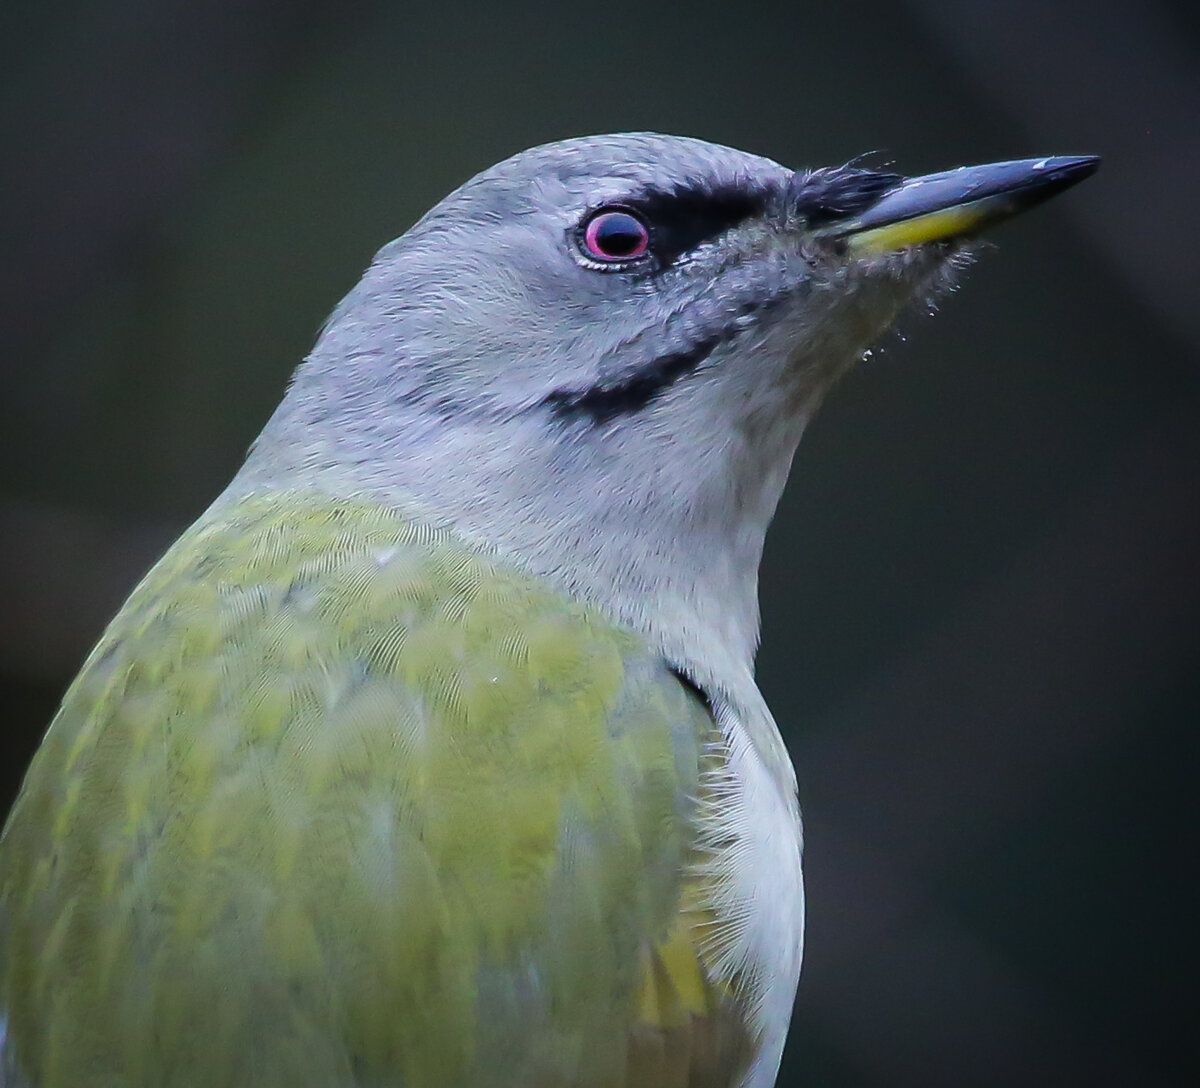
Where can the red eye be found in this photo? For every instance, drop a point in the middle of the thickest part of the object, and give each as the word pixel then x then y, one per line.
pixel 615 236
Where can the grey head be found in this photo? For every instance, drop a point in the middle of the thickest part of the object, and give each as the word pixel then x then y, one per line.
pixel 597 358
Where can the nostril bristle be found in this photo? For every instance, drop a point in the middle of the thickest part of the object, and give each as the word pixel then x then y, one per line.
pixel 825 196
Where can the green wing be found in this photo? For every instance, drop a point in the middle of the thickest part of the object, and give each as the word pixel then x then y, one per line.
pixel 337 801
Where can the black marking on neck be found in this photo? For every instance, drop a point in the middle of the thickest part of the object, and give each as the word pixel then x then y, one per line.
pixel 631 393
pixel 691 686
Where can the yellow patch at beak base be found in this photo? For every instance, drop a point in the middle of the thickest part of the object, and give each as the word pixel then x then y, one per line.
pixel 932 227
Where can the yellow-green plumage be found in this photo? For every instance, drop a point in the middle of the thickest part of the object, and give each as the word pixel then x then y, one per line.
pixel 338 801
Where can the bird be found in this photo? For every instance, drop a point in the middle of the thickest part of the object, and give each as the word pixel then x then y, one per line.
pixel 431 754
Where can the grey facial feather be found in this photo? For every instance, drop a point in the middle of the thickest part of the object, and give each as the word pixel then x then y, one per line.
pixel 626 434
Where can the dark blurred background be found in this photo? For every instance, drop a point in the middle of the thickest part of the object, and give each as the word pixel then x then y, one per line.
pixel 981 593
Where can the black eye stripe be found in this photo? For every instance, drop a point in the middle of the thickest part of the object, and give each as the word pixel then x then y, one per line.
pixel 687 218
pixel 683 218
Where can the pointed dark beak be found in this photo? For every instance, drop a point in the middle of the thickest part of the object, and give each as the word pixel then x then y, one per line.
pixel 957 203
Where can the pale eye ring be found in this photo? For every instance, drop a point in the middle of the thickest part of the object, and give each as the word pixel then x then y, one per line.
pixel 614 235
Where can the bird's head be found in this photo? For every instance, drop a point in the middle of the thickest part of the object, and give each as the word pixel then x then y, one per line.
pixel 624 279
pixel 599 354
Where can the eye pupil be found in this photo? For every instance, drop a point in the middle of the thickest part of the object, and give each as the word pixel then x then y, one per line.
pixel 615 236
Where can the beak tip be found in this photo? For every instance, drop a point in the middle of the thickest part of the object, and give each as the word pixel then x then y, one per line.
pixel 1070 167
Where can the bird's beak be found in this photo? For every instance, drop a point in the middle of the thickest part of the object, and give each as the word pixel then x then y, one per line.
pixel 958 202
